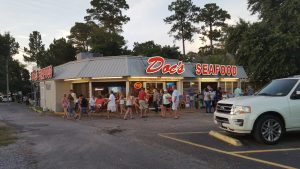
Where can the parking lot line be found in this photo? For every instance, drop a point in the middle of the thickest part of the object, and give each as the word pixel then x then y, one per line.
pixel 226 152
pixel 179 133
pixel 265 151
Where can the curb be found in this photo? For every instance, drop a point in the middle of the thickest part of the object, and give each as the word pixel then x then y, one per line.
pixel 227 139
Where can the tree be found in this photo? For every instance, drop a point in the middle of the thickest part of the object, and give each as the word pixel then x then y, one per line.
pixel 107 43
pixel 182 20
pixel 148 49
pixel 108 14
pixel 60 51
pixel 171 52
pixel 36 51
pixel 268 49
pixel 214 19
pixel 79 36
pixel 18 75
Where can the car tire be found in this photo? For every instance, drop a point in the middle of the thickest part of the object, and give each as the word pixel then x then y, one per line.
pixel 268 129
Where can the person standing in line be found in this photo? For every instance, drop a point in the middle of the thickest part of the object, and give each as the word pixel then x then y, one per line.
pixel 213 99
pixel 122 104
pixel 155 100
pixel 65 105
pixel 111 105
pixel 83 106
pixel 237 92
pixel 92 104
pixel 129 105
pixel 166 103
pixel 175 102
pixel 250 91
pixel 142 102
pixel 71 107
pixel 160 100
pixel 207 101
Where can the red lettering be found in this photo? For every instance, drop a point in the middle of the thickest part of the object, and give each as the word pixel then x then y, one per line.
pixel 217 69
pixel 198 69
pixel 211 70
pixel 180 68
pixel 234 70
pixel 223 70
pixel 152 62
pixel 229 70
pixel 205 69
pixel 166 68
pixel 173 69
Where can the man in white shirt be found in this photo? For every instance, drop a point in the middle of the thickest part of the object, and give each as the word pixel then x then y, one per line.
pixel 175 102
pixel 111 105
pixel 92 103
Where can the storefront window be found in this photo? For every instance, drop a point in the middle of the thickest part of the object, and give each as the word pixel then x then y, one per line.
pixel 81 88
pixel 222 85
pixel 235 85
pixel 103 88
pixel 228 87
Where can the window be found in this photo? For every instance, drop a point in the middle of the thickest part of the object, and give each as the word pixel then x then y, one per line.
pixel 81 88
pixel 281 87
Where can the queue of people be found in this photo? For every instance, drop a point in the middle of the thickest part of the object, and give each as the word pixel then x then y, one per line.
pixel 75 107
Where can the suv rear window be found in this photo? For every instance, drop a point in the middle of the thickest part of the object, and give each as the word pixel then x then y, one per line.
pixel 281 87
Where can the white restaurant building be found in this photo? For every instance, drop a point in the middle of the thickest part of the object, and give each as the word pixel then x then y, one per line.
pixel 90 75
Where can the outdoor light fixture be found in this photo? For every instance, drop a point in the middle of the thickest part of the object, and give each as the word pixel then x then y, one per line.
pixel 209 78
pixel 99 89
pixel 72 79
pixel 99 78
pixel 229 79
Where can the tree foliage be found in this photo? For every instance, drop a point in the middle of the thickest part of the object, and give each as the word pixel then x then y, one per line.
pixel 182 20
pixel 36 51
pixel 60 51
pixel 18 75
pixel 108 14
pixel 79 36
pixel 148 49
pixel 270 48
pixel 107 43
pixel 214 19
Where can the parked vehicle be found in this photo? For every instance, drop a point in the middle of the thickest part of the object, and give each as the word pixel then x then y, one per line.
pixel 6 98
pixel 267 115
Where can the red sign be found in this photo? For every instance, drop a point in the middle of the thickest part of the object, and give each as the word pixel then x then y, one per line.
pixel 138 85
pixel 215 69
pixel 157 63
pixel 42 74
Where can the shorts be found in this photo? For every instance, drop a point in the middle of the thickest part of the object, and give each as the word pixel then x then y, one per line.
pixel 122 106
pixel 111 108
pixel 93 108
pixel 128 106
pixel 167 105
pixel 175 106
pixel 143 104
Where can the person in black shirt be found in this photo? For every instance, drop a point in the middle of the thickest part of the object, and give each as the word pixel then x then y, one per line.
pixel 83 105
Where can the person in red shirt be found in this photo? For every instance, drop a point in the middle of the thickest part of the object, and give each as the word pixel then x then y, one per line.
pixel 100 102
pixel 143 102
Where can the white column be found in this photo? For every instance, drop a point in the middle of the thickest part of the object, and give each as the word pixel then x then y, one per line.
pixel 199 86
pixel 179 86
pixel 90 89
pixel 127 88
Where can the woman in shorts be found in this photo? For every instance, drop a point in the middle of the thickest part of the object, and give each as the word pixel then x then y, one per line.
pixel 166 103
pixel 129 105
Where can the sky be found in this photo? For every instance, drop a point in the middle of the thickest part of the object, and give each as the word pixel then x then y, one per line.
pixel 54 18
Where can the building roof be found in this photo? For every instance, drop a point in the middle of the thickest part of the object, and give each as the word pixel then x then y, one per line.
pixel 117 66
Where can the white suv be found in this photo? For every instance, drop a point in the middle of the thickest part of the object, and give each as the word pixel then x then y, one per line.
pixel 267 115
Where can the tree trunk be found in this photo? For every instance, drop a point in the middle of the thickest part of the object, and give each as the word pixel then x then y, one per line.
pixel 210 38
pixel 183 45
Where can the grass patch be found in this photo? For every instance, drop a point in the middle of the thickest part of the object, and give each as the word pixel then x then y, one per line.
pixel 7 135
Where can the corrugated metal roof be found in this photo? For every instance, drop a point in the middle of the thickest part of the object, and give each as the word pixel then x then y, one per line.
pixel 116 66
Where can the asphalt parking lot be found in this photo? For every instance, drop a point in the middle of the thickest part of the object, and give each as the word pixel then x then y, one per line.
pixel 48 141
pixel 286 154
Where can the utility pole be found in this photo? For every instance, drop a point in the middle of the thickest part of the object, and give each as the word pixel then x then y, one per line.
pixel 7 79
